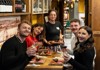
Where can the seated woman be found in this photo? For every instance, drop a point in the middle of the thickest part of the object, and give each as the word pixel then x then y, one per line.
pixel 33 39
pixel 84 51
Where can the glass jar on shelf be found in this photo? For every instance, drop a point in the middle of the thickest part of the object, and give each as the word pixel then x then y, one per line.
pixel 40 6
pixel 45 6
pixel 37 6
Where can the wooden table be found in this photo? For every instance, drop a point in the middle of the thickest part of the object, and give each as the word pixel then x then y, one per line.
pixel 46 65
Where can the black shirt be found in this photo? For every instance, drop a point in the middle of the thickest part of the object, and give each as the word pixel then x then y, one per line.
pixel 13 54
pixel 83 60
pixel 52 31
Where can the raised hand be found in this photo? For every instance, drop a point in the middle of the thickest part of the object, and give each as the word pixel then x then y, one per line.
pixel 31 51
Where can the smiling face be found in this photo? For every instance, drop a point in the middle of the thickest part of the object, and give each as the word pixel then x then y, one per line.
pixel 74 26
pixel 37 30
pixel 83 35
pixel 24 30
pixel 52 16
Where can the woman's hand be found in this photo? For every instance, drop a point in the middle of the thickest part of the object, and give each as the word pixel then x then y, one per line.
pixel 53 42
pixel 56 42
pixel 61 41
pixel 66 56
pixel 47 42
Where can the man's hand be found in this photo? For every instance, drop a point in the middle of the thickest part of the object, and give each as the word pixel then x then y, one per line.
pixel 31 51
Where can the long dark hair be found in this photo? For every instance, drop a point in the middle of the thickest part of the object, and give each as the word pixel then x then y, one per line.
pixel 36 25
pixel 86 44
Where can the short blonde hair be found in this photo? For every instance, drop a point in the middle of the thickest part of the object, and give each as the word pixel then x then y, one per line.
pixel 24 21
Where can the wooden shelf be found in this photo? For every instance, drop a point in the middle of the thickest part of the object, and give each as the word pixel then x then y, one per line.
pixel 25 15
pixel 39 9
pixel 37 13
pixel 29 12
pixel 40 6
pixel 12 14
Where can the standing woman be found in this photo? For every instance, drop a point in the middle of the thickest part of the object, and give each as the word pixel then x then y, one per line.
pixel 84 52
pixel 53 34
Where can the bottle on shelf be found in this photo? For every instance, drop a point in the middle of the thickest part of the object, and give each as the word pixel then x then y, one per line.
pixel 18 6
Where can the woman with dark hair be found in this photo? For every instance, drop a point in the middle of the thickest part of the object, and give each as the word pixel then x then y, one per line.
pixel 84 52
pixel 33 39
pixel 53 31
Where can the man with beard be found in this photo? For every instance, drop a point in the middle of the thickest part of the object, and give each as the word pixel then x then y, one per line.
pixel 14 52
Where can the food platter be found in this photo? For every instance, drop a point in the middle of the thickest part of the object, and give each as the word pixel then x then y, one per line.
pixel 37 61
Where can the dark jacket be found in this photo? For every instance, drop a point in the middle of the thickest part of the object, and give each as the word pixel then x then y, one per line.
pixel 13 55
pixel 83 60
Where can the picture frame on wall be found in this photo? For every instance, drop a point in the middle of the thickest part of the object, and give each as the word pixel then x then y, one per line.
pixel 8 27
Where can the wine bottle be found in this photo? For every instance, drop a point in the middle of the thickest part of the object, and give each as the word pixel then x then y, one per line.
pixel 18 6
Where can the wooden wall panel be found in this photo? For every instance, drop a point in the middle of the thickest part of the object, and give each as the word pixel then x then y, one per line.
pixel 97 45
pixel 95 20
pixel 95 15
